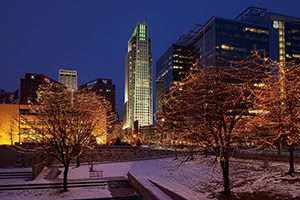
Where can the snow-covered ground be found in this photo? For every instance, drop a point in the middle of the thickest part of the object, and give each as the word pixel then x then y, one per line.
pixel 194 180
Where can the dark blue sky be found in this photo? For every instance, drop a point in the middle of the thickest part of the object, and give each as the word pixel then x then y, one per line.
pixel 91 36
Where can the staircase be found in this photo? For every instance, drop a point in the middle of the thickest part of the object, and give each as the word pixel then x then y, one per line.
pixel 16 175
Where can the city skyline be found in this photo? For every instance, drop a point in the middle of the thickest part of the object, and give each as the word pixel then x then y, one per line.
pixel 91 37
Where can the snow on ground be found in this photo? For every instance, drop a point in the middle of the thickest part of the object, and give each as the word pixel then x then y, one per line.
pixel 194 180
pixel 53 194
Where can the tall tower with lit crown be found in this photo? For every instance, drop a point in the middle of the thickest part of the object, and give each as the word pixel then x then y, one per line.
pixel 138 104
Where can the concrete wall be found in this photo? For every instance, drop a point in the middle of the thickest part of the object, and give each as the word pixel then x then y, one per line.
pixel 36 169
pixel 170 193
pixel 146 190
pixel 11 156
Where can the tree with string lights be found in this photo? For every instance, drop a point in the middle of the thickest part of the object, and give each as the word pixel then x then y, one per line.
pixel 208 106
pixel 67 121
pixel 278 102
pixel 116 134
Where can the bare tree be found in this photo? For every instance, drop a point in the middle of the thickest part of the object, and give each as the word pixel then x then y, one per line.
pixel 208 105
pixel 278 102
pixel 66 122
pixel 11 129
pixel 1 128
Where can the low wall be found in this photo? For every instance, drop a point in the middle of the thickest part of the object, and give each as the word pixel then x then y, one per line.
pixel 146 190
pixel 121 153
pixel 10 156
pixel 36 169
pixel 263 157
pixel 170 193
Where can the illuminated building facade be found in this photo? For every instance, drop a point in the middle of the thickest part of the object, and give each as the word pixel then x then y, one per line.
pixel 9 127
pixel 30 84
pixel 103 87
pixel 68 78
pixel 138 79
pixel 277 34
pixel 13 116
pixel 233 39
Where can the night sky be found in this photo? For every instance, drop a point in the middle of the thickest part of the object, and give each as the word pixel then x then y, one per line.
pixel 91 36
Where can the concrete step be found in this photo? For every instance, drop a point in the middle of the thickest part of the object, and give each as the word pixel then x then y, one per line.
pixel 15 175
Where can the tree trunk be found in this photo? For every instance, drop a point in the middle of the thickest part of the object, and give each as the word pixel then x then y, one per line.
pixel 225 169
pixel 11 138
pixel 280 147
pixel 191 155
pixel 292 170
pixel 78 161
pixel 65 188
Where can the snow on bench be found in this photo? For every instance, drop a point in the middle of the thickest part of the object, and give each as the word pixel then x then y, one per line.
pixel 96 173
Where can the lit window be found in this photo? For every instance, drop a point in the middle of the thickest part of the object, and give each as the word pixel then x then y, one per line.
pixel 296 55
pixel 226 47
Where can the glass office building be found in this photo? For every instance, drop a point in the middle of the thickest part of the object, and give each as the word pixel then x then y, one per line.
pixel 228 39
pixel 138 79
pixel 171 67
pixel 234 39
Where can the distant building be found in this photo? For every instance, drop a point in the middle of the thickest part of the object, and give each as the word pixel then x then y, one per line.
pixel 9 97
pixel 30 84
pixel 106 89
pixel 148 135
pixel 171 67
pixel 230 39
pixel 68 78
pixel 103 87
pixel 138 105
pixel 3 95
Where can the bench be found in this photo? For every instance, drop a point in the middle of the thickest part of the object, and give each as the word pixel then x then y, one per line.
pixel 98 173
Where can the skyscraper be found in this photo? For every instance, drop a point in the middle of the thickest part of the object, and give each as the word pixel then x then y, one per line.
pixel 68 78
pixel 138 79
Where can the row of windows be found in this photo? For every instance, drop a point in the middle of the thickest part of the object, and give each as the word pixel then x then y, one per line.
pixel 107 88
pixel 227 47
pixel 255 30
pixel 177 67
pixel 180 56
pixel 293 56
pixel 31 83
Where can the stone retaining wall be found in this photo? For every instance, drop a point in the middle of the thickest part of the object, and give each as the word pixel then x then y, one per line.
pixel 10 156
pixel 121 153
